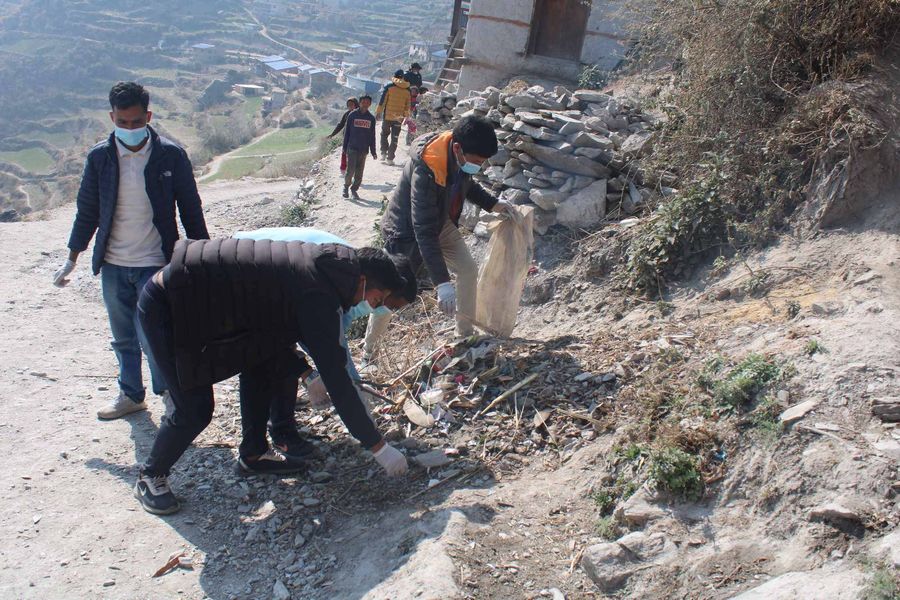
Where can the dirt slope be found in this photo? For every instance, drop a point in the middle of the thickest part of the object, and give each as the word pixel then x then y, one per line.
pixel 518 529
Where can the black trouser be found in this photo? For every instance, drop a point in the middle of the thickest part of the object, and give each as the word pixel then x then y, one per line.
pixel 269 389
pixel 392 129
pixel 259 386
pixel 193 407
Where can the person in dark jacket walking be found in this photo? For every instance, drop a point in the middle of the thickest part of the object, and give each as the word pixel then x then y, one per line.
pixel 414 75
pixel 131 185
pixel 359 139
pixel 352 104
pixel 239 306
pixel 423 214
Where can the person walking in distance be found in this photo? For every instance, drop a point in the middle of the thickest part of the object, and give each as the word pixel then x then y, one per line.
pixel 132 183
pixel 352 104
pixel 414 75
pixel 359 140
pixel 393 107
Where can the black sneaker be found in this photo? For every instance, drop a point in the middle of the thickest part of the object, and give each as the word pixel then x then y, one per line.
pixel 345 194
pixel 354 194
pixel 271 463
pixel 155 495
pixel 294 445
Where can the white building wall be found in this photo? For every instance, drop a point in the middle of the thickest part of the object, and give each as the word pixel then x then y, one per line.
pixel 497 42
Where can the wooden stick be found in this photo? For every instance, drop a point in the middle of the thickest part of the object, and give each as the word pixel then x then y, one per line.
pixel 397 379
pixel 443 481
pixel 508 393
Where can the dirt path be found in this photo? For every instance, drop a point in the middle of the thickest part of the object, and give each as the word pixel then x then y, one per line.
pixel 70 525
pixel 349 218
pixel 212 168
pixel 264 31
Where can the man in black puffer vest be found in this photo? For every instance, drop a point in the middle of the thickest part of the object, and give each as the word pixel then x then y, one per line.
pixel 239 306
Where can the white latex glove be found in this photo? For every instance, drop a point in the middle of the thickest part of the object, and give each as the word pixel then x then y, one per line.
pixel 506 209
pixel 446 293
pixel 59 278
pixel 315 389
pixel 391 460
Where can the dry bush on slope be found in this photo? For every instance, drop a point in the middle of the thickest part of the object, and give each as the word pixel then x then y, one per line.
pixel 765 91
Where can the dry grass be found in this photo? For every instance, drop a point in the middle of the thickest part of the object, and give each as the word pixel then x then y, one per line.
pixel 764 91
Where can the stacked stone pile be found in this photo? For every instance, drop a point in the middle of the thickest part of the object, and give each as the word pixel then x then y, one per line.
pixel 435 109
pixel 574 156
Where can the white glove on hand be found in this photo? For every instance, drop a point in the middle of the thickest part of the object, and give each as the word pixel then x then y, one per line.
pixel 59 278
pixel 315 389
pixel 446 293
pixel 391 460
pixel 506 209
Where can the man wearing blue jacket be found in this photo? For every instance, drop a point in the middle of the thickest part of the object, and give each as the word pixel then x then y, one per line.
pixel 359 140
pixel 130 188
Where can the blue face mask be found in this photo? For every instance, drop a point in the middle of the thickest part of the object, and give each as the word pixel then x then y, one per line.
pixel 358 311
pixel 465 166
pixel 470 168
pixel 132 137
pixel 364 309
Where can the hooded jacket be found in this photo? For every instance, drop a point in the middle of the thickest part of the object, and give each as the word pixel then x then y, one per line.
pixel 169 179
pixel 413 78
pixel 394 102
pixel 420 204
pixel 239 303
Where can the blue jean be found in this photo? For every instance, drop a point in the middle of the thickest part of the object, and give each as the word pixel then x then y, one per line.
pixel 121 287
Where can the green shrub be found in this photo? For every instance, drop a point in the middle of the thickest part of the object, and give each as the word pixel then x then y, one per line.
pixel 741 385
pixel 814 347
pixel 294 214
pixel 592 77
pixel 764 419
pixel 883 586
pixel 677 472
pixel 607 528
pixel 690 223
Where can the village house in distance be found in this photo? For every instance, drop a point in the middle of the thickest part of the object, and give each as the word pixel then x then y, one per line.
pixel 492 40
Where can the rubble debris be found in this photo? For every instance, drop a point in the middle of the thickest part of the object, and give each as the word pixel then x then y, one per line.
pixel 433 459
pixel 280 591
pixel 887 409
pixel 574 156
pixel 798 411
pixel 610 565
pixel 836 511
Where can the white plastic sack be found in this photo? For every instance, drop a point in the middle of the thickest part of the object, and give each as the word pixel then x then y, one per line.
pixel 502 276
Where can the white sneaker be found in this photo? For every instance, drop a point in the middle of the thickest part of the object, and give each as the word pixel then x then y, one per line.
pixel 389 162
pixel 121 406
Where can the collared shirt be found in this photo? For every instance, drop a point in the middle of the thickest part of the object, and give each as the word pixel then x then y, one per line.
pixel 134 240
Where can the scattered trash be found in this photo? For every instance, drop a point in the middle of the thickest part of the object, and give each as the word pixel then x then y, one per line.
pixel 433 459
pixel 171 564
pixel 416 415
